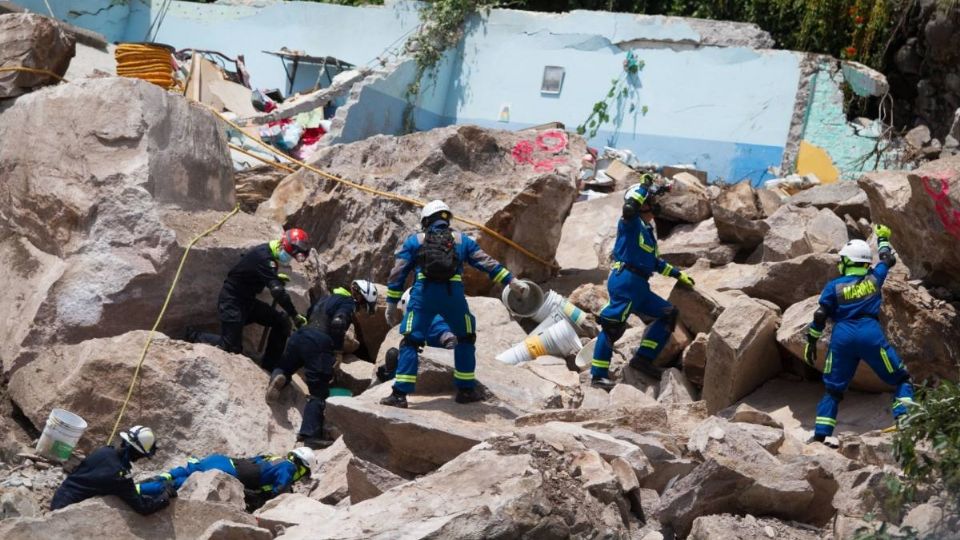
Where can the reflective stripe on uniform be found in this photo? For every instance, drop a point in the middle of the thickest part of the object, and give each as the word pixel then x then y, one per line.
pixel 408 325
pixel 501 275
pixel 828 364
pixel 600 363
pixel 815 333
pixel 667 268
pixel 394 294
pixel 421 275
pixel 341 291
pixel 406 378
pixel 644 246
pixel 469 323
pixel 649 343
pixel 463 376
pixel 886 360
pixel 826 421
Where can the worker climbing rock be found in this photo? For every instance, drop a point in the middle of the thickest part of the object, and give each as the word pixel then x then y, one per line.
pixel 439 335
pixel 438 255
pixel 635 259
pixel 263 476
pixel 238 305
pixel 313 348
pixel 107 472
pixel 853 302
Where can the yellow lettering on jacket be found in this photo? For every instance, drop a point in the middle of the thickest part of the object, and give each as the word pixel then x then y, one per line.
pixel 860 290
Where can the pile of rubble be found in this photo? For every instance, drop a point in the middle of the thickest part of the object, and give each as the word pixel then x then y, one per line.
pixel 92 234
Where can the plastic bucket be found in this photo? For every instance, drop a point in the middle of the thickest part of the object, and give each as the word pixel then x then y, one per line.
pixel 60 435
pixel 523 307
pixel 336 391
pixel 558 340
pixel 554 303
pixel 585 356
pixel 551 320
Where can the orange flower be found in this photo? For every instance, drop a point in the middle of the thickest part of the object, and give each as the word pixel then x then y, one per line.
pixel 858 20
pixel 851 51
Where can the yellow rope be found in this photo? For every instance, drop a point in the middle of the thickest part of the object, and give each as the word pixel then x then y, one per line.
pixel 151 63
pixel 380 193
pixel 33 70
pixel 163 310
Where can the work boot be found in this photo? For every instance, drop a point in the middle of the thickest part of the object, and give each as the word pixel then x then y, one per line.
pixel 278 380
pixel 314 443
pixel 396 399
pixel 602 383
pixel 468 395
pixel 190 334
pixel 390 360
pixel 646 367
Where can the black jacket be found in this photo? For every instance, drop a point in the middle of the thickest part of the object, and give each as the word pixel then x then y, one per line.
pixel 332 315
pixel 105 472
pixel 257 269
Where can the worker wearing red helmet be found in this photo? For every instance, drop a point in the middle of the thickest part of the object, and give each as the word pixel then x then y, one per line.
pixel 238 305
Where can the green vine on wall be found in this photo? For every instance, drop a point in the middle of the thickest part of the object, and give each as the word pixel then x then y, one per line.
pixel 621 95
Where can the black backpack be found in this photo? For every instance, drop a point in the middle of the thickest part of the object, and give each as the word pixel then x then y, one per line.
pixel 437 256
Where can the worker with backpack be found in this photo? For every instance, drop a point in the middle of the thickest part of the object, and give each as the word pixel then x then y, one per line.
pixel 438 255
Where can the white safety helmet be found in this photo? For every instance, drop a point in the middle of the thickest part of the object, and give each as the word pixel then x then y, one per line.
pixel 402 304
pixel 857 251
pixel 305 456
pixel 365 292
pixel 634 193
pixel 433 208
pixel 141 439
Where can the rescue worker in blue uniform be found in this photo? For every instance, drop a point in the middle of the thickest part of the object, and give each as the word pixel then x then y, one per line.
pixel 635 259
pixel 853 302
pixel 313 347
pixel 438 255
pixel 107 472
pixel 263 476
pixel 439 335
pixel 238 305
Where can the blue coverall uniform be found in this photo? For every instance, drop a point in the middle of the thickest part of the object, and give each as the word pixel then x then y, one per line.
pixel 853 302
pixel 266 474
pixel 446 300
pixel 107 472
pixel 636 258
pixel 313 348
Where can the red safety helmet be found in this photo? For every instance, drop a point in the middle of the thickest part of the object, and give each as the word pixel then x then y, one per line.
pixel 294 242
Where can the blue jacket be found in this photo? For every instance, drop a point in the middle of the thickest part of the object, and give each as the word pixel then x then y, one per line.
pixel 277 473
pixel 636 248
pixel 854 296
pixel 467 251
pixel 105 472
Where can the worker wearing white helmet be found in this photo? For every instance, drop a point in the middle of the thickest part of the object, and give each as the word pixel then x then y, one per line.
pixel 440 335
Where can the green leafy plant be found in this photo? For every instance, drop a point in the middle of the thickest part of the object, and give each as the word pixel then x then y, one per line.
pixel 621 96
pixel 927 445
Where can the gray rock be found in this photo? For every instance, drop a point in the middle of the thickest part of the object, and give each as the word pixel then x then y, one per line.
pixel 695 359
pixel 796 231
pixel 330 484
pixel 675 388
pixel 17 503
pixel 32 41
pixel 843 198
pixel 213 486
pixel 367 480
pixel 688 243
pixel 229 530
pixel 687 201
pixel 738 217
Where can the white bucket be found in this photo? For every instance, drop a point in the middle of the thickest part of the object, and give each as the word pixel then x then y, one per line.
pixel 558 340
pixel 526 306
pixel 60 435
pixel 585 356
pixel 555 302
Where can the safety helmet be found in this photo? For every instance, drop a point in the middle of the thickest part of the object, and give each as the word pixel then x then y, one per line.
pixel 635 193
pixel 857 251
pixel 404 300
pixel 295 243
pixel 433 211
pixel 304 456
pixel 365 293
pixel 141 439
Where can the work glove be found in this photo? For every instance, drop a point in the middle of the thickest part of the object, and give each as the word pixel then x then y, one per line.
pixel 448 340
pixel 170 491
pixel 299 321
pixel 810 352
pixel 685 279
pixel 283 277
pixel 519 287
pixel 883 232
pixel 393 315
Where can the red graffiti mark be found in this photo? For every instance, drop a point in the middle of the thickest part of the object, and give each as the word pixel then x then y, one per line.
pixel 949 216
pixel 532 152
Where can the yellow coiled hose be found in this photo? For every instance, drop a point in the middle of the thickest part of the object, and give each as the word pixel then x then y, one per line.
pixel 152 63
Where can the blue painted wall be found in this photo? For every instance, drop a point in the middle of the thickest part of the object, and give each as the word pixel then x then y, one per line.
pixel 107 17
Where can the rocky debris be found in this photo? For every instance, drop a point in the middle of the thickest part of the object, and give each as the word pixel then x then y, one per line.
pixel 590 297
pixel 695 359
pixel 32 41
pixel 256 184
pixel 806 275
pixel 872 448
pixel 466 166
pixel 608 447
pixel 918 211
pixel 687 201
pixel 590 226
pixel 353 374
pixel 230 530
pixel 292 509
pixel 93 518
pixel 741 352
pixel 329 483
pixel 843 198
pixel 863 492
pixel 213 486
pixel 745 414
pixel 927 521
pixel 631 339
pixel 218 396
pixel 687 243
pixel 796 231
pixel 367 480
pixel 675 388
pixel 918 137
pixel 17 502
pixel 93 254
pixel 699 307
pixel 505 488
pixel 738 216
pixel 748 528
pixel 627 395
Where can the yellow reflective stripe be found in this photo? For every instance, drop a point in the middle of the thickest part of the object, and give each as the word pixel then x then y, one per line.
pixel 466 318
pixel 394 294
pixel 341 291
pixel 828 365
pixel 826 421
pixel 408 326
pixel 667 268
pixel 463 376
pixel 616 266
pixel 138 489
pixel 406 378
pixel 600 363
pixel 268 487
pixel 644 246
pixel 626 312
pixel 421 275
pixel 501 275
pixel 457 277
pixel 814 332
pixel 649 343
pixel 886 360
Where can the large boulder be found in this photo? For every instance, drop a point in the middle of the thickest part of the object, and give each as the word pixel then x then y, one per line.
pixel 738 216
pixel 687 201
pixel 687 243
pixel 32 41
pixel 93 233
pixel 97 517
pixel 730 526
pixel 796 231
pixel 806 276
pixel 921 208
pixel 504 488
pixel 466 166
pixel 741 352
pixel 213 486
pixel 587 230
pixel 368 480
pixel 329 479
pixel 843 198
pixel 291 509
pixel 199 399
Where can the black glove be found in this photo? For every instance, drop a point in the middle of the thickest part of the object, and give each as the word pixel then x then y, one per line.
pixel 170 491
pixel 810 352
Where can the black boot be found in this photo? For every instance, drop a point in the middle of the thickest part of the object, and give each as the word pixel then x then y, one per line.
pixel 602 383
pixel 468 395
pixel 646 367
pixel 396 399
pixel 389 368
pixel 278 380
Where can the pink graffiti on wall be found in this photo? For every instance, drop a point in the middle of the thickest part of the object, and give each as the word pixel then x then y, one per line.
pixel 949 216
pixel 540 152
